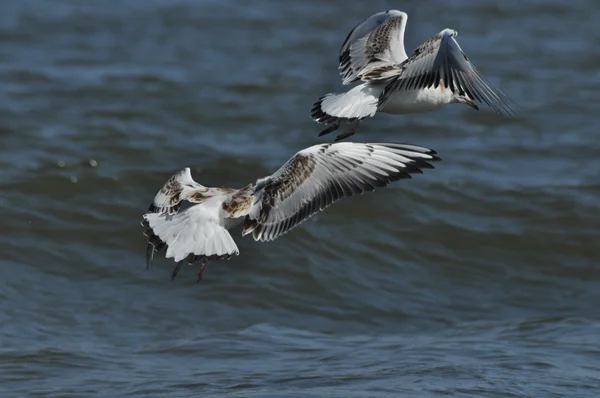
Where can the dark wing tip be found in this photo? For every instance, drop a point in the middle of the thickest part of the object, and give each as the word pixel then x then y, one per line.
pixel 510 110
pixel 408 147
pixel 317 113
pixel 417 165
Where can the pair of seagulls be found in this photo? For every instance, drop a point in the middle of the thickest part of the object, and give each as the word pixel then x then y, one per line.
pixel 191 222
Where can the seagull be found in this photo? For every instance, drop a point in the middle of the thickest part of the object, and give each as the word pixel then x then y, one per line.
pixel 191 221
pixel 436 74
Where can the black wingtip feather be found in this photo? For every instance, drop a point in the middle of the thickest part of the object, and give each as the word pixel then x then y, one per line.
pixel 317 113
pixel 266 229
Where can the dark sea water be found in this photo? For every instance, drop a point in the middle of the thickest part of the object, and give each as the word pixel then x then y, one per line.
pixel 480 278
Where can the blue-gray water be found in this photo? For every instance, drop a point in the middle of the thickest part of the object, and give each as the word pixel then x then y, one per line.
pixel 480 278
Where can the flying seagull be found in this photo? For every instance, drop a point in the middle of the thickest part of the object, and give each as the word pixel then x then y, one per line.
pixel 436 74
pixel 191 221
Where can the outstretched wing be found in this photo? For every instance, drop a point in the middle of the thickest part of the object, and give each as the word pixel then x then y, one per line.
pixel 440 60
pixel 320 175
pixel 377 41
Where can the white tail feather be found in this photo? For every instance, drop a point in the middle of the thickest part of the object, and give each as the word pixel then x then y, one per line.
pixel 188 232
pixel 358 103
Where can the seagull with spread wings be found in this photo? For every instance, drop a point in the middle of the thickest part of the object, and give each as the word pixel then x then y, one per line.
pixel 191 221
pixel 436 74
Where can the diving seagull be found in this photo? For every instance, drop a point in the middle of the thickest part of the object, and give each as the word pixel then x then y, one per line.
pixel 191 221
pixel 436 74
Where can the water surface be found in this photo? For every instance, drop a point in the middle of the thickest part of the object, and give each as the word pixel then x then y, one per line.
pixel 478 278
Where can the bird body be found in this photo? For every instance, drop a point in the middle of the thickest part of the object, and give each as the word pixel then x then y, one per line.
pixel 191 222
pixel 437 73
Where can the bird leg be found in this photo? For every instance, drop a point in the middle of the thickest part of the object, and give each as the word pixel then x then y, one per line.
pixel 149 255
pixel 202 269
pixel 330 129
pixel 176 270
pixel 350 132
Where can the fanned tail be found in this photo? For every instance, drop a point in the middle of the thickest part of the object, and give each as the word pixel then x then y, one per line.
pixel 184 238
pixel 356 104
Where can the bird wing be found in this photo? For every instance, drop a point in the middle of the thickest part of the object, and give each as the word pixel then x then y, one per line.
pixel 318 176
pixel 375 42
pixel 440 60
pixel 179 187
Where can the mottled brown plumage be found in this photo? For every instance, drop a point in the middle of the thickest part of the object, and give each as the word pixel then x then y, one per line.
pixel 177 189
pixel 172 190
pixel 371 43
pixel 297 170
pixel 198 197
pixel 239 203
pixel 378 42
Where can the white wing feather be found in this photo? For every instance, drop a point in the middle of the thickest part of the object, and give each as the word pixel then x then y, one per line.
pixel 440 59
pixel 320 175
pixel 375 42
